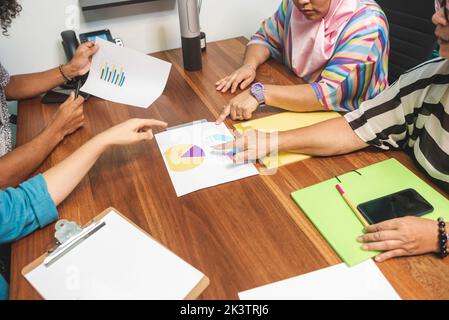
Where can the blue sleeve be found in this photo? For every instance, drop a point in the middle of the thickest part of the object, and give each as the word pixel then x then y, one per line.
pixel 3 289
pixel 25 209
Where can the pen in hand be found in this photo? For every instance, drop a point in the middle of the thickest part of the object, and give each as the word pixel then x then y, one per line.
pixel 78 87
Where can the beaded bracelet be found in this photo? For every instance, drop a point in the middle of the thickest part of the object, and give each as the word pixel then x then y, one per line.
pixel 63 74
pixel 442 238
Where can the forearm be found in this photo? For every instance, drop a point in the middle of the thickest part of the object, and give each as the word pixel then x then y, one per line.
pixel 19 164
pixel 65 176
pixel 328 138
pixel 25 209
pixel 31 85
pixel 256 55
pixel 297 98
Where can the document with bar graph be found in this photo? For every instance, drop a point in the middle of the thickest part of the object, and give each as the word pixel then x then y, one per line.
pixel 114 75
pixel 126 76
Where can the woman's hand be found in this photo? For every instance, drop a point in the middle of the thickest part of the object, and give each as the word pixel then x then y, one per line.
pixel 406 236
pixel 65 176
pixel 239 108
pixel 251 146
pixel 242 76
pixel 130 132
pixel 81 61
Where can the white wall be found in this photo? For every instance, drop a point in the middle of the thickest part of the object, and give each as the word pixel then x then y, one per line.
pixel 34 41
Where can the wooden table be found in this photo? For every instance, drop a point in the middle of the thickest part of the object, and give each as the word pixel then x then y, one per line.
pixel 242 234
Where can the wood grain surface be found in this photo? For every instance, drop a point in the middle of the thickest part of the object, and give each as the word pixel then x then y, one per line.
pixel 242 234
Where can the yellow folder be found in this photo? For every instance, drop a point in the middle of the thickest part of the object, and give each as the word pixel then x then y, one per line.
pixel 283 122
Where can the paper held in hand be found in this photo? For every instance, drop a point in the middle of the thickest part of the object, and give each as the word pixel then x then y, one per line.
pixel 126 76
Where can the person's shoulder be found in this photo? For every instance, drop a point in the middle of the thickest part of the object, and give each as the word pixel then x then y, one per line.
pixel 284 10
pixel 427 70
pixel 370 13
pixel 4 76
pixel 287 6
pixel 368 19
pixel 370 7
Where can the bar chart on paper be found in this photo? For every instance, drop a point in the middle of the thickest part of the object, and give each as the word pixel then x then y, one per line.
pixel 113 75
pixel 126 76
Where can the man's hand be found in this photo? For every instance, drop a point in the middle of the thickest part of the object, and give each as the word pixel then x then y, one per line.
pixel 69 117
pixel 82 60
pixel 239 108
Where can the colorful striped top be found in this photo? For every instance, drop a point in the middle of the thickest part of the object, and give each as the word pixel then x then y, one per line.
pixel 358 69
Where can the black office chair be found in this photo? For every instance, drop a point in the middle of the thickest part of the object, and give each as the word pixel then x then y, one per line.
pixel 412 36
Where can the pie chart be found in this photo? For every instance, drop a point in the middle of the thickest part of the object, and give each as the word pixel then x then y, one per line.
pixel 184 157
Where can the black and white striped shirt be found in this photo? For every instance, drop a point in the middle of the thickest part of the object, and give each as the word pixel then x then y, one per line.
pixel 413 115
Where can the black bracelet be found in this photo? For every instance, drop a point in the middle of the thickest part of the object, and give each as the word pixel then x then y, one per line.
pixel 67 79
pixel 442 238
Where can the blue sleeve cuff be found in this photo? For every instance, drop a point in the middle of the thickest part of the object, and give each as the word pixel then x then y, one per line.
pixel 3 289
pixel 41 202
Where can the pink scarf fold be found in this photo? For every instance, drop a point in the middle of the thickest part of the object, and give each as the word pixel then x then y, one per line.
pixel 438 5
pixel 314 42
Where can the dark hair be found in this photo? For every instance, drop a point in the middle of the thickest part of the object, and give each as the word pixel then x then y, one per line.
pixel 9 9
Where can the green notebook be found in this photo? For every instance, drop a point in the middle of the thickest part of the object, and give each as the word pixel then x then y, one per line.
pixel 335 220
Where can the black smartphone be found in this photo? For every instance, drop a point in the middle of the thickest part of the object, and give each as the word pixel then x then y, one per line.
pixel 400 204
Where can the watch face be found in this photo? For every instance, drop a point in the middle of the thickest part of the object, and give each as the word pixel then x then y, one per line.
pixel 258 87
pixel 258 92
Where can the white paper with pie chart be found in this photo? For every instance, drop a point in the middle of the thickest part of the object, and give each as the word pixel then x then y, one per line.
pixel 184 157
pixel 193 164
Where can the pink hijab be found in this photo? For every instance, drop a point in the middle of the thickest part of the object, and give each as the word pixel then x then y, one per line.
pixel 438 5
pixel 314 42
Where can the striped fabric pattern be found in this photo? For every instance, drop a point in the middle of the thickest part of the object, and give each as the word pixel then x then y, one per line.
pixel 413 115
pixel 357 71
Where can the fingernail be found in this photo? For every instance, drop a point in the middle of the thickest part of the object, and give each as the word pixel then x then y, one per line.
pixel 359 239
pixel 364 247
pixel 378 259
pixel 364 230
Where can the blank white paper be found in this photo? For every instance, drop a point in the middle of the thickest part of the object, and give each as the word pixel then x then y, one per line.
pixel 364 281
pixel 213 167
pixel 119 261
pixel 126 76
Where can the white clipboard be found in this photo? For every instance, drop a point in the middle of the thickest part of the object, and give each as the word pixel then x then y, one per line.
pixel 112 258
